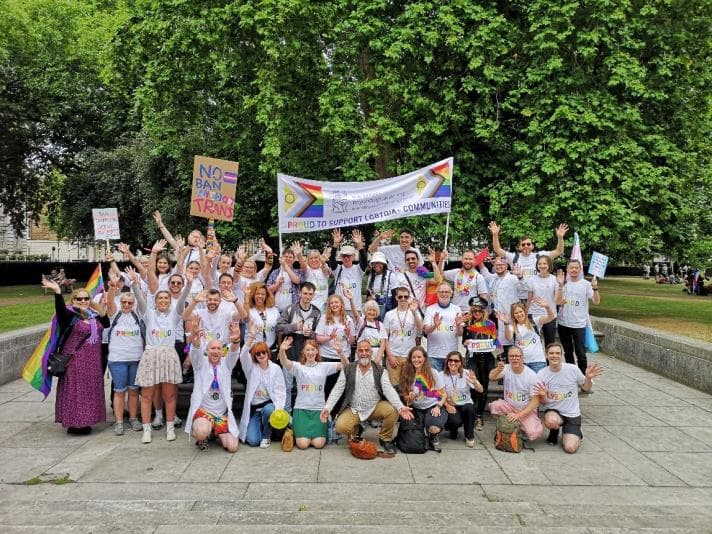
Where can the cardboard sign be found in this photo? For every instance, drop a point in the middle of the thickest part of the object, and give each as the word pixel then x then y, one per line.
pixel 598 264
pixel 480 345
pixel 106 223
pixel 214 185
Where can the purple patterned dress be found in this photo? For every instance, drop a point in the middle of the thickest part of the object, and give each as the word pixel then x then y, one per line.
pixel 80 391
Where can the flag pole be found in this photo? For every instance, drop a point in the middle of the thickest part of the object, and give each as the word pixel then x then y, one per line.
pixel 447 231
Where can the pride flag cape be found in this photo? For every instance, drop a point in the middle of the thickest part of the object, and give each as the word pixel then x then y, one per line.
pixel 35 370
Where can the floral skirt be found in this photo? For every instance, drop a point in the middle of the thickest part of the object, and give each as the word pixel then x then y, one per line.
pixel 159 365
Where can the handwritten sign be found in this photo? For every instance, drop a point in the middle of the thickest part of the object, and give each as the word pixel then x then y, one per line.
pixel 480 345
pixel 598 264
pixel 214 185
pixel 106 223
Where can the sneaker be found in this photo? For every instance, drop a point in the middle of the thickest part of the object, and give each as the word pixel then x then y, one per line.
pixel 119 429
pixel 146 438
pixel 177 422
pixel 202 444
pixel 553 438
pixel 434 442
pixel 157 423
pixel 136 425
pixel 170 432
pixel 266 443
pixel 479 423
pixel 387 446
pixel 470 443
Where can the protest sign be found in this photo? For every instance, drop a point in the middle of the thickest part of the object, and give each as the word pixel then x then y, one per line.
pixel 214 184
pixel 106 223
pixel 597 265
pixel 310 205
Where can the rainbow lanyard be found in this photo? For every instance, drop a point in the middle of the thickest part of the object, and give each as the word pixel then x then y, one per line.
pixel 462 286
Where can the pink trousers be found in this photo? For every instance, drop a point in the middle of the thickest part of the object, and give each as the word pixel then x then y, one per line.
pixel 531 425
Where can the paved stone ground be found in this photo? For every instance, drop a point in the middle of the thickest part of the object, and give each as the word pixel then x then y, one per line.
pixel 645 466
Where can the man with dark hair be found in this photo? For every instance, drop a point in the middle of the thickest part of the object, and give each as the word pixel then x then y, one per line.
pixel 395 253
pixel 368 396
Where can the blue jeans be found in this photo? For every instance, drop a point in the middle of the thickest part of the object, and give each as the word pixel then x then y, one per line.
pixel 259 428
pixel 437 363
pixel 123 375
pixel 536 366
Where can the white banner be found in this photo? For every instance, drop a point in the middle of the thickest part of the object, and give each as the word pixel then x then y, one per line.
pixel 106 223
pixel 310 205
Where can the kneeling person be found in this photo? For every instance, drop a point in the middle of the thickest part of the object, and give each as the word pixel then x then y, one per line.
pixel 558 389
pixel 368 395
pixel 211 400
pixel 521 397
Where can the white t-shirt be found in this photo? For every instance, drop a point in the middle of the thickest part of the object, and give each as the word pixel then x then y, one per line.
pixel 443 339
pixel 395 257
pixel 214 401
pixel 375 333
pixel 466 284
pixel 125 343
pixel 416 287
pixel 216 325
pixel 400 327
pixel 321 282
pixel 505 292
pixel 266 330
pixel 161 328
pixel 519 388
pixel 563 389
pixel 529 341
pixel 528 265
pixel 544 287
pixel 350 277
pixel 262 392
pixel 310 384
pixel 323 329
pixel 245 283
pixel 421 401
pixel 283 297
pixel 457 388
pixel 574 311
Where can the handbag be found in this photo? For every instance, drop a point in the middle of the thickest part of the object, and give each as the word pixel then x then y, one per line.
pixel 362 448
pixel 59 360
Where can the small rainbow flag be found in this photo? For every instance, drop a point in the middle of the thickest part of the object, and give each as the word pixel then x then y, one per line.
pixel 487 328
pixel 425 386
pixel 35 370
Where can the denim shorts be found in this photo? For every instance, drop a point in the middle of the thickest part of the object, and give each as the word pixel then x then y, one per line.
pixel 123 374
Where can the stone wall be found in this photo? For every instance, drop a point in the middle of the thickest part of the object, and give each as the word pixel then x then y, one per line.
pixel 16 347
pixel 682 359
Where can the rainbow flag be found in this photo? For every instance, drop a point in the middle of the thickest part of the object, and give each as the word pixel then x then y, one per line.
pixel 485 327
pixel 35 370
pixel 425 386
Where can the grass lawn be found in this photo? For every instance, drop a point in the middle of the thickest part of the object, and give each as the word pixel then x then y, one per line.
pixel 661 306
pixel 22 306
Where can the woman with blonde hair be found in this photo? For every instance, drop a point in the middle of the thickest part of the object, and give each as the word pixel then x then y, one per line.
pixel 526 332
pixel 80 400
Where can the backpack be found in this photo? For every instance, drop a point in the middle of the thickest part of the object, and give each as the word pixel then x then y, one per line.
pixel 141 326
pixel 508 436
pixel 411 437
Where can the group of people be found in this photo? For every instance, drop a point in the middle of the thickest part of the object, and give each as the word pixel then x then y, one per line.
pixel 336 339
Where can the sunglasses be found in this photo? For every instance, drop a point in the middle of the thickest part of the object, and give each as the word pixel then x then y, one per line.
pixel 82 299
pixel 176 283
pixel 261 353
pixel 402 297
pixel 454 361
pixel 527 244
pixel 126 302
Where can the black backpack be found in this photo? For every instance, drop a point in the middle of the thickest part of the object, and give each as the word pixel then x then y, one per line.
pixel 411 437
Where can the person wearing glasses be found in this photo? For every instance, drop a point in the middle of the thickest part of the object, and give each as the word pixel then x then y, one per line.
pixel 80 402
pixel 459 405
pixel 126 340
pixel 467 281
pixel 521 398
pixel 348 275
pixel 526 257
pixel 160 364
pixel 442 325
pixel 403 326
pixel 264 392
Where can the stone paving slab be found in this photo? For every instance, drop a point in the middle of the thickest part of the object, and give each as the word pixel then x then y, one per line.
pixel 645 466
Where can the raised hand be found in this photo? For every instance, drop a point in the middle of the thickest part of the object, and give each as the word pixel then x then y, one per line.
pixel 560 277
pixel 297 248
pixel 357 238
pixel 228 295
pixel 541 389
pixel 265 247
pixel 286 344
pixel 202 296
pixel 561 230
pixel 413 305
pixel 517 271
pixel 133 275
pixel 541 301
pixel 124 249
pixel 502 316
pixel 180 242
pixel 51 284
pixel 241 253
pixel 336 237
pixel 346 291
pixel 157 217
pixel 159 246
pixel 594 283
pixel 437 320
pixel 113 278
pixel 594 370
pixel 234 328
pixel 494 228
pixel 387 235
pixel 195 325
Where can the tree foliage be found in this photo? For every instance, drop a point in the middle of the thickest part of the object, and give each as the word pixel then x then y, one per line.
pixel 593 113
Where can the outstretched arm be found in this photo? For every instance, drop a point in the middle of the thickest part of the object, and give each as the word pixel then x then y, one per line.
pixel 494 229
pixel 164 231
pixel 560 233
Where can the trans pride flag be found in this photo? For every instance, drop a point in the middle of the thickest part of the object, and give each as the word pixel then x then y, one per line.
pixel 35 370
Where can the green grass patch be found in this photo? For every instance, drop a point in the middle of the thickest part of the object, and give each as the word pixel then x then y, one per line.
pixel 11 292
pixel 60 481
pixel 23 315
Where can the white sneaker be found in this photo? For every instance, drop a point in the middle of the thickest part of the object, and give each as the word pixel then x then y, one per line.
pixel 146 438
pixel 470 442
pixel 157 423
pixel 170 432
pixel 266 443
